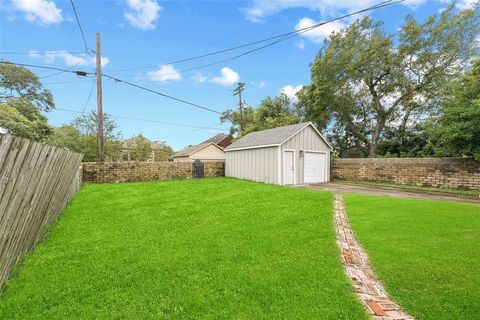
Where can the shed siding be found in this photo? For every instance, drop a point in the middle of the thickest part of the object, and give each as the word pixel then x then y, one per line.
pixel 259 164
pixel 306 139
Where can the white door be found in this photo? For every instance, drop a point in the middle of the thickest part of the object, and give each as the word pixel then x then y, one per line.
pixel 288 167
pixel 315 167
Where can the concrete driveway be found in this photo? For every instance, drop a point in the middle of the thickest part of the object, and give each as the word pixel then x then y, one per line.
pixel 386 191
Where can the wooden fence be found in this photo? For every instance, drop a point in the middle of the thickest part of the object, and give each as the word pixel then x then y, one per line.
pixel 37 181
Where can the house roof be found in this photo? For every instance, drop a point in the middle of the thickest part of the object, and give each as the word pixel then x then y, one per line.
pixel 271 137
pixel 216 138
pixel 192 149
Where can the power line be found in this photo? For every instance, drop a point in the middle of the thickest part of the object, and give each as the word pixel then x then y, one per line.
pixel 77 72
pixel 187 132
pixel 147 120
pixel 278 38
pixel 89 95
pixel 85 73
pixel 87 49
pixel 161 94
pixel 65 82
pixel 68 69
pixel 43 53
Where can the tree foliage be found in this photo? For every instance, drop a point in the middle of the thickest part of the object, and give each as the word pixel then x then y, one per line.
pixel 272 112
pixel 457 131
pixel 139 148
pixel 18 82
pixel 81 136
pixel 366 83
pixel 22 100
pixel 21 118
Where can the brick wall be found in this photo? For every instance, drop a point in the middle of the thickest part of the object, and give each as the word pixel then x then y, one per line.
pixel 456 173
pixel 145 171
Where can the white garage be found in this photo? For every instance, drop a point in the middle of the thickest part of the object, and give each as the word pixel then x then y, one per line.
pixel 289 155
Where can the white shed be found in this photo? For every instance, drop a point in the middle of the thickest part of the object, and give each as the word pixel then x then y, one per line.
pixel 293 154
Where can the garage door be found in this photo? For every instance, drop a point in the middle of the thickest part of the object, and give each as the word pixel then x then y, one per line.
pixel 315 167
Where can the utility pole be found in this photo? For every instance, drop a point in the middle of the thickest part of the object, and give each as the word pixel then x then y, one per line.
pixel 238 90
pixel 100 138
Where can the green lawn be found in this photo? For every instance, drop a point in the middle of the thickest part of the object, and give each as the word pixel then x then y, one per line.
pixel 409 187
pixel 202 249
pixel 427 253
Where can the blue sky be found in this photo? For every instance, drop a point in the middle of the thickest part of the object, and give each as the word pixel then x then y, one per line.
pixel 138 33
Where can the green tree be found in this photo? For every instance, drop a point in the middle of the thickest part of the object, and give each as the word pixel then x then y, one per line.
pixel 143 148
pixel 22 100
pixel 457 130
pixel 272 112
pixel 163 152
pixel 366 82
pixel 81 136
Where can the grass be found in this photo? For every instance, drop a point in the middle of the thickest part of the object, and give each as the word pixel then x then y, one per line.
pixel 459 192
pixel 189 249
pixel 425 252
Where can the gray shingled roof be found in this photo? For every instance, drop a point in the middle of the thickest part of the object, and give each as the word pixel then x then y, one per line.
pixel 216 138
pixel 189 150
pixel 267 137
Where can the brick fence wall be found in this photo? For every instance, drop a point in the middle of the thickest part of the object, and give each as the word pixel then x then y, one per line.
pixel 456 173
pixel 144 171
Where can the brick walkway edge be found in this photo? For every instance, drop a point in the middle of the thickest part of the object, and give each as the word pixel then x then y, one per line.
pixel 355 264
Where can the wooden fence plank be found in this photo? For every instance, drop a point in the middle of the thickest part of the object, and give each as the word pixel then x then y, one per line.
pixel 36 183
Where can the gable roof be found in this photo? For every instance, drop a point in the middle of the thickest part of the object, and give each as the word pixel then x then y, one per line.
pixel 271 137
pixel 216 138
pixel 192 149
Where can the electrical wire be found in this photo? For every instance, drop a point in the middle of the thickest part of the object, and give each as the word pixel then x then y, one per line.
pixel 89 95
pixel 161 94
pixel 46 67
pixel 279 38
pixel 87 49
pixel 43 53
pixel 148 120
pixel 85 73
pixel 68 69
pixel 66 82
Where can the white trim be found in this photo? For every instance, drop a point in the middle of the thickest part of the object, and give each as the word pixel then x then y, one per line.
pixel 314 128
pixel 294 165
pixel 254 147
pixel 279 153
pixel 314 151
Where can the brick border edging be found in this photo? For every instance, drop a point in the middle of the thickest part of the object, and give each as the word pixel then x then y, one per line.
pixel 356 266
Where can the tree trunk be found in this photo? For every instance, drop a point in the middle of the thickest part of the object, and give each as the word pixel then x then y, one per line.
pixel 379 126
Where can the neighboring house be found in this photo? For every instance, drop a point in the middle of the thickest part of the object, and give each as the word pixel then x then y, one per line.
pixel 293 154
pixel 208 150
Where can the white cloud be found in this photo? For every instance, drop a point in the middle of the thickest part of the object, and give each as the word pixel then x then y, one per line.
pixel 300 44
pixel 318 34
pixel 227 77
pixel 165 73
pixel 68 58
pixel 41 11
pixel 291 91
pixel 199 77
pixel 259 9
pixel 142 14
pixel 262 84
